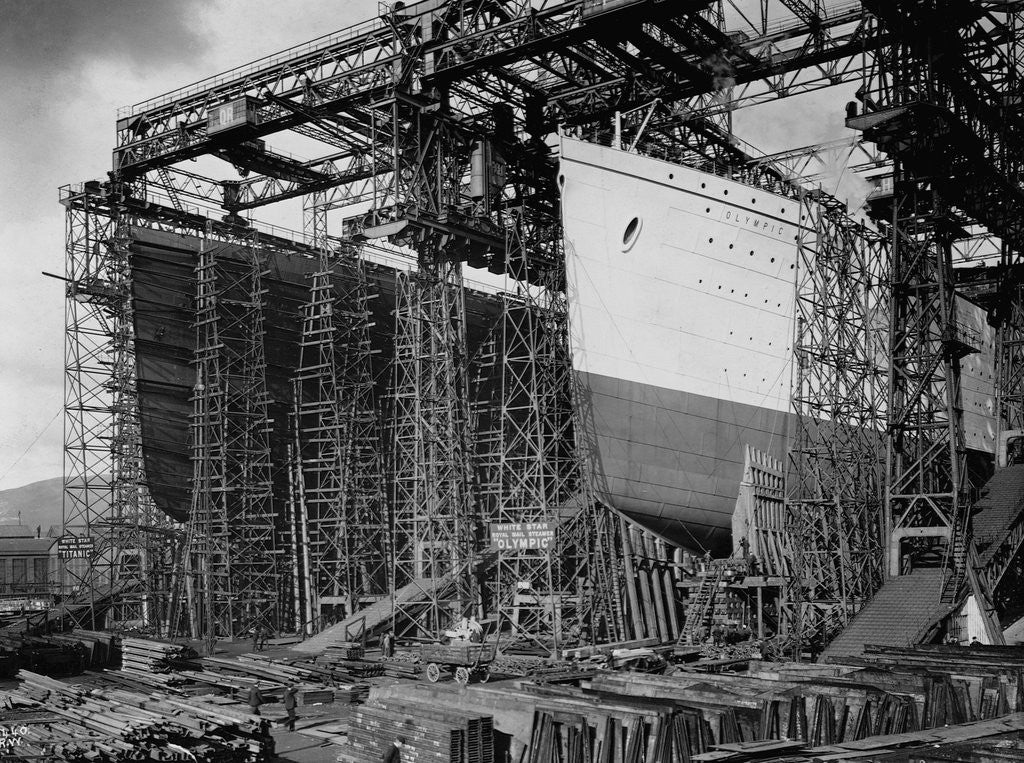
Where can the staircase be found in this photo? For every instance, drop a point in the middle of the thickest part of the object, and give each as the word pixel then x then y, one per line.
pixel 900 614
pixel 698 611
pixel 371 621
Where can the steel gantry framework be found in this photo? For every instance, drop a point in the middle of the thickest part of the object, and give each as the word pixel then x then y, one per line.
pixel 131 545
pixel 433 119
pixel 836 518
pixel 232 556
pixel 339 507
pixel 941 99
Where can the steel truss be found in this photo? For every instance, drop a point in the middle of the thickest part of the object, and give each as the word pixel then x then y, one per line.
pixel 401 103
pixel 125 577
pixel 233 565
pixel 835 517
pixel 435 529
pixel 340 513
pixel 956 160
pixel 525 448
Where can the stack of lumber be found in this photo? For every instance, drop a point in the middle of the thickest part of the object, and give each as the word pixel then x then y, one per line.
pixel 117 725
pixel 430 733
pixel 353 694
pixel 101 648
pixel 351 668
pixel 346 650
pixel 400 669
pixel 52 656
pixel 148 656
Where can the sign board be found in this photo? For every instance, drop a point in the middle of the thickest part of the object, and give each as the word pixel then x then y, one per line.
pixel 523 536
pixel 75 547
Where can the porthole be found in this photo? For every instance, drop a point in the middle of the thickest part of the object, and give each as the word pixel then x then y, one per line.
pixel 631 234
pixel 561 181
pixel 671 176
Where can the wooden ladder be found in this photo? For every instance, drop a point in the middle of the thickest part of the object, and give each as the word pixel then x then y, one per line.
pixel 699 609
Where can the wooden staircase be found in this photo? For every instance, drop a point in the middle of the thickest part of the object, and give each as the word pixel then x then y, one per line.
pixel 700 607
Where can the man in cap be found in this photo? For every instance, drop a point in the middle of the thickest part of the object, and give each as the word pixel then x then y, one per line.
pixel 289 706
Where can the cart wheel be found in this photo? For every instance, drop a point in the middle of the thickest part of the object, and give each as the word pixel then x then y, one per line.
pixel 433 672
pixel 462 675
pixel 484 673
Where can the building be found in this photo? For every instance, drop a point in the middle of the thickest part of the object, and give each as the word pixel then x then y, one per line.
pixel 29 568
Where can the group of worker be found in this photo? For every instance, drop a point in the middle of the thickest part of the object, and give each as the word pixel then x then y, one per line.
pixel 256 701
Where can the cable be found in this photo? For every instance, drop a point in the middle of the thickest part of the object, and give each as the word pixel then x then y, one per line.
pixel 31 444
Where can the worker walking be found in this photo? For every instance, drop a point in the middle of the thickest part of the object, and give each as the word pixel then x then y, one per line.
pixel 289 706
pixel 387 645
pixel 255 700
pixel 394 753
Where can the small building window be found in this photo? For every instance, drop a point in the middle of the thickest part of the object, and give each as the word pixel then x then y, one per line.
pixel 19 573
pixel 40 570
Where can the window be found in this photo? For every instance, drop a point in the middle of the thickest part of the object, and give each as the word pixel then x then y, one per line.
pixel 19 573
pixel 40 570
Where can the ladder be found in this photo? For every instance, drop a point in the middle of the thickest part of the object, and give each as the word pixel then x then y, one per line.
pixel 699 610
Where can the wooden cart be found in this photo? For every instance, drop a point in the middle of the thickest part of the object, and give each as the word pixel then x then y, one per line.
pixel 468 661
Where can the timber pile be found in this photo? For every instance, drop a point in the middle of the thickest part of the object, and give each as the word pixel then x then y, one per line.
pixel 148 656
pixel 353 694
pixel 430 733
pixel 120 725
pixel 313 683
pixel 351 668
pixel 101 649
pixel 346 650
pixel 49 655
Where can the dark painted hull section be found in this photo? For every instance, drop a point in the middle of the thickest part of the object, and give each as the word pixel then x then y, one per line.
pixel 674 460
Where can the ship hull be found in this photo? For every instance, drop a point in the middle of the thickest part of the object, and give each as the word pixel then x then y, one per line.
pixel 682 292
pixel 674 459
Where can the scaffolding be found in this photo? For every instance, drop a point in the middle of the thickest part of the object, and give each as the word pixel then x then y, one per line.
pixel 435 530
pixel 124 579
pixel 339 509
pixel 232 555
pixel 524 443
pixel 834 528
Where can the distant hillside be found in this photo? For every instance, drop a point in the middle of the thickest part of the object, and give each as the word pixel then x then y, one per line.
pixel 38 502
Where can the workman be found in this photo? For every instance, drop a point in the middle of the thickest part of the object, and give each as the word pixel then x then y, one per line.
pixel 387 645
pixel 289 706
pixel 394 753
pixel 255 700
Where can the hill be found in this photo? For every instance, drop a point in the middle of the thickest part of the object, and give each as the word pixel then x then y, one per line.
pixel 38 502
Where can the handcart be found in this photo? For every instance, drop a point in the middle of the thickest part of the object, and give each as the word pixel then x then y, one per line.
pixel 467 660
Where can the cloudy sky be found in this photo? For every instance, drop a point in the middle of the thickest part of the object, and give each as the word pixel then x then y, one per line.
pixel 65 68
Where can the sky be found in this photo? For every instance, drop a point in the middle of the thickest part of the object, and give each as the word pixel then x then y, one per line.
pixel 66 66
